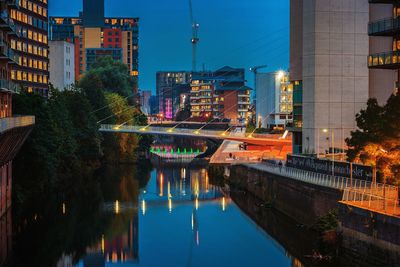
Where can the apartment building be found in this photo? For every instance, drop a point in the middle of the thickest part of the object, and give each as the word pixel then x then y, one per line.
pixel 13 129
pixel 95 35
pixel 384 48
pixel 220 95
pixel 29 44
pixel 62 67
pixel 274 104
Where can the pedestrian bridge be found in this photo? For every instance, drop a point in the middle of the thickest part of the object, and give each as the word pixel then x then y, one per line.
pixel 253 139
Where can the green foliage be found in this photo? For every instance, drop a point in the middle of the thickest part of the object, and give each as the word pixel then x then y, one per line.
pixel 376 142
pixel 250 127
pixel 110 76
pixel 327 222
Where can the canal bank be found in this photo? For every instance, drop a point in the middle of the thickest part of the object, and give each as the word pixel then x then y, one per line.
pixel 304 202
pixel 365 237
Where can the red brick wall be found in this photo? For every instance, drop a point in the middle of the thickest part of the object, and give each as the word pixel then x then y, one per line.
pixel 230 109
pixel 5 105
pixel 112 38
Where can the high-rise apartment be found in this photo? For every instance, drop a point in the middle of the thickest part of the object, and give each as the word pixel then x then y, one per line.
pixel 97 36
pixel 328 67
pixel 29 44
pixel 13 129
pixel 220 95
pixel 384 48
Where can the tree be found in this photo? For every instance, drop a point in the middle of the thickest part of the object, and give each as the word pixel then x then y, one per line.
pixel 376 141
pixel 110 76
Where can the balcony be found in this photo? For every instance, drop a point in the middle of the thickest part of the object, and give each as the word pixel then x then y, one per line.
pixel 384 27
pixel 16 122
pixel 381 1
pixel 7 24
pixel 387 60
pixel 9 86
pixel 13 3
pixel 8 54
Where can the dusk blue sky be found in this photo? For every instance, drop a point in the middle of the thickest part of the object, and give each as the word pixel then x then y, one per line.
pixel 237 33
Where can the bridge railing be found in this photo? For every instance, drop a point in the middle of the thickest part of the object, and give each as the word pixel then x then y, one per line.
pixel 9 123
pixel 132 128
pixel 325 180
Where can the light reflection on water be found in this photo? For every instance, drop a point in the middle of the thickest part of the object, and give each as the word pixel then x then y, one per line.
pixel 180 219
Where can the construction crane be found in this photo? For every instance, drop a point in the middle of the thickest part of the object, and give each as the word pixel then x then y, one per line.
pixel 195 39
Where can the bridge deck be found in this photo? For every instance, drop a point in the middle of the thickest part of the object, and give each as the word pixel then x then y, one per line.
pixel 273 140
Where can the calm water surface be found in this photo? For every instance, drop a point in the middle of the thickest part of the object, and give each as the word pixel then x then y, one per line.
pixel 159 217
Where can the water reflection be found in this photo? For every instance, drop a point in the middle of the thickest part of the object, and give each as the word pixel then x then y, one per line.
pixel 132 216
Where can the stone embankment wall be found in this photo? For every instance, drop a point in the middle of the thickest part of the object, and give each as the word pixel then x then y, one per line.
pixel 302 201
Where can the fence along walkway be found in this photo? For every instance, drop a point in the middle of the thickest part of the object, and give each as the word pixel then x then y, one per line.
pixel 359 193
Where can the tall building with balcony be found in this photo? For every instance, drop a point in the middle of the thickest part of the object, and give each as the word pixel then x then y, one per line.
pixel 28 46
pixel 97 36
pixel 220 95
pixel 13 129
pixel 170 86
pixel 329 72
pixel 274 104
pixel 384 41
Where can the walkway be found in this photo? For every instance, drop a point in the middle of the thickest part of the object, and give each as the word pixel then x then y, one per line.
pixel 270 140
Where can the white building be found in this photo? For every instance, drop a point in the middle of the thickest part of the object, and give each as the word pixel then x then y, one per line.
pixel 274 104
pixel 62 64
pixel 329 49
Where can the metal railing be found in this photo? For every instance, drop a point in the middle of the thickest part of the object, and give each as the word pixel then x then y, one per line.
pixel 387 25
pixel 15 122
pixel 8 22
pixel 325 180
pixel 382 199
pixel 384 59
pixel 9 86
pixel 116 128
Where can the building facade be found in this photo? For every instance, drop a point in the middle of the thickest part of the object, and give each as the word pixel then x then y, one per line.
pixel 145 101
pixel 170 86
pixel 13 129
pixel 329 47
pixel 29 45
pixel 384 49
pixel 96 36
pixel 220 95
pixel 274 104
pixel 62 67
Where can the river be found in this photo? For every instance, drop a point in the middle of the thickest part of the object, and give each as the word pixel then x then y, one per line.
pixel 152 216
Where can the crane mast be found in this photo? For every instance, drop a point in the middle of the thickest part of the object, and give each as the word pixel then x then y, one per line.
pixel 195 38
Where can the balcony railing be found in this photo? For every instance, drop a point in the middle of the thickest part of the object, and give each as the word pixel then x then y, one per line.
pixel 381 1
pixel 9 54
pixel 386 60
pixel 7 24
pixel 15 122
pixel 384 27
pixel 9 86
pixel 13 3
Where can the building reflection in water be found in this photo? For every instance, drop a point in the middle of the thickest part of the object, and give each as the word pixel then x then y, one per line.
pixel 5 237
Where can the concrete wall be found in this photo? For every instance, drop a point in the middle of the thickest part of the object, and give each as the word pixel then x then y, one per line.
pixel 369 238
pixel 296 40
pixel 62 67
pixel 301 201
pixel 335 72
